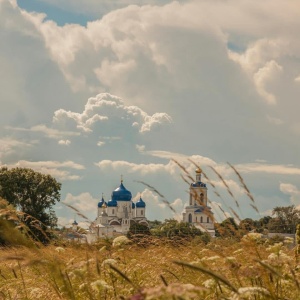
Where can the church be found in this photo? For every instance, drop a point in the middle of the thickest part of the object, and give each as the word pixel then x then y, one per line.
pixel 115 216
pixel 197 212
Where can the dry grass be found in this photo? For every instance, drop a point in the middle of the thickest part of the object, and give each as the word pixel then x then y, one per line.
pixel 250 269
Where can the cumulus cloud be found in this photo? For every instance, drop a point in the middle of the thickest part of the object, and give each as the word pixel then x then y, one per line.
pixel 261 78
pixel 84 202
pixel 64 142
pixel 129 167
pixel 105 109
pixel 292 191
pixel 53 168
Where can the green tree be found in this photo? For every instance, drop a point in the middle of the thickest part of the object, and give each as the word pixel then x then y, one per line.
pixel 227 228
pixel 136 228
pixel 171 228
pixel 285 219
pixel 34 194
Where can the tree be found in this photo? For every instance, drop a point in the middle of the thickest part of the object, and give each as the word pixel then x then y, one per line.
pixel 34 194
pixel 171 228
pixel 286 219
pixel 227 228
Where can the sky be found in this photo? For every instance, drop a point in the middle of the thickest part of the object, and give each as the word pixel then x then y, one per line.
pixel 92 90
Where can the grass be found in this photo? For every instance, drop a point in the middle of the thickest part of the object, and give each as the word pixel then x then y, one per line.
pixel 152 269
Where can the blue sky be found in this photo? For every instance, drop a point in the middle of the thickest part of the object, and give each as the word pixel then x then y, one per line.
pixel 95 89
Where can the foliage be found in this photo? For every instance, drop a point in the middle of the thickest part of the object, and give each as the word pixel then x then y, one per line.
pixel 136 228
pixel 9 234
pixel 227 228
pixel 286 219
pixel 34 194
pixel 173 228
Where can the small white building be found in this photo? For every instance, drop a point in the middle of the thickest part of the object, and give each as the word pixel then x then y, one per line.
pixel 197 212
pixel 115 216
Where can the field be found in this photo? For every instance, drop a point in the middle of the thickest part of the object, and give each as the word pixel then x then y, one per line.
pixel 152 268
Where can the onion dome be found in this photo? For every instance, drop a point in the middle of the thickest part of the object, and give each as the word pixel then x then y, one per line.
pixel 112 203
pixel 140 203
pixel 121 194
pixel 133 205
pixel 75 223
pixel 198 171
pixel 102 203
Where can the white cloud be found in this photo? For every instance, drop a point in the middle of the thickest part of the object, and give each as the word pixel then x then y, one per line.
pixel 9 146
pixel 49 132
pixel 143 169
pixel 64 142
pixel 263 76
pixel 85 203
pixel 268 168
pixel 104 109
pixel 53 168
pixel 292 191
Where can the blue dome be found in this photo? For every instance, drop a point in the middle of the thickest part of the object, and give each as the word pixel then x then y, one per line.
pixel 121 194
pixel 102 203
pixel 112 203
pixel 133 205
pixel 140 203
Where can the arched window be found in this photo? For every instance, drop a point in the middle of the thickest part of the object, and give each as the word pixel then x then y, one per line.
pixel 113 211
pixel 201 199
pixel 142 212
pixel 207 219
pixel 196 219
pixel 190 218
pixel 201 220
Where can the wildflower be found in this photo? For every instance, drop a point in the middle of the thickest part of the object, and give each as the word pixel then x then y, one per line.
pixel 275 248
pixel 60 249
pixel 253 290
pixel 109 261
pixel 279 259
pixel 120 240
pixel 82 286
pixel 35 292
pixel 100 284
pixel 252 236
pixel 209 283
pixel 289 241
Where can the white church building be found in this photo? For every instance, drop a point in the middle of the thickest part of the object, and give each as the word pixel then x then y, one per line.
pixel 115 216
pixel 197 212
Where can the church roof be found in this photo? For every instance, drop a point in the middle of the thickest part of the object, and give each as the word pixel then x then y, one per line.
pixel 102 203
pixel 198 184
pixel 140 203
pixel 121 194
pixel 112 203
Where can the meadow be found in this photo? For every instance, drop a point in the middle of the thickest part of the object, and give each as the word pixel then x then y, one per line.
pixel 152 268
